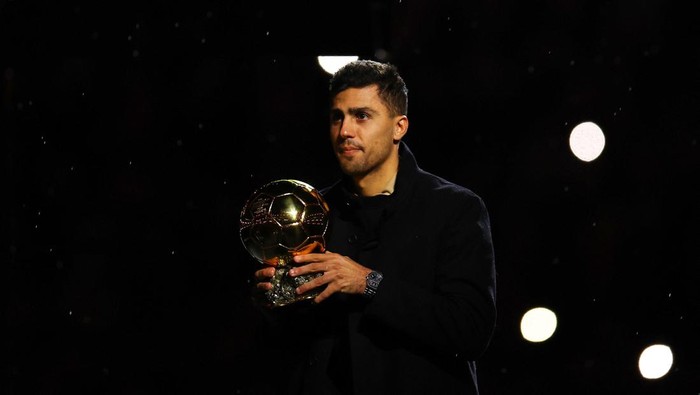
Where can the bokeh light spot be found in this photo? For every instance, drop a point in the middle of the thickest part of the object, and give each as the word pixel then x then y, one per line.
pixel 587 141
pixel 331 64
pixel 655 361
pixel 538 324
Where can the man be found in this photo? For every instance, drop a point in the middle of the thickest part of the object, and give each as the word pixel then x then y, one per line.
pixel 409 289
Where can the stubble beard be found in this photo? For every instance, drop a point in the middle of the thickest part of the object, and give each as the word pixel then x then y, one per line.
pixel 353 168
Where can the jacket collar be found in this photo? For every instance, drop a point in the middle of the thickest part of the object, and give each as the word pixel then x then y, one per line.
pixel 408 169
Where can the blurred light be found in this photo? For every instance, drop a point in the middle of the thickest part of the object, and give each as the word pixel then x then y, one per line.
pixel 655 361
pixel 538 324
pixel 292 213
pixel 331 64
pixel 587 141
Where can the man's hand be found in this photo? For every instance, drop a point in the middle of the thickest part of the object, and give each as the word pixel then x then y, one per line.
pixel 340 274
pixel 263 277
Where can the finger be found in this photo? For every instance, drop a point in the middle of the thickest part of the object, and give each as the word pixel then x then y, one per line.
pixel 315 283
pixel 320 298
pixel 264 274
pixel 325 294
pixel 308 258
pixel 317 267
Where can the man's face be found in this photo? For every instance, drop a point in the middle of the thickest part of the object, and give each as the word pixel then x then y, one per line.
pixel 362 131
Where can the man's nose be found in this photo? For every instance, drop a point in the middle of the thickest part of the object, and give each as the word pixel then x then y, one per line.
pixel 346 130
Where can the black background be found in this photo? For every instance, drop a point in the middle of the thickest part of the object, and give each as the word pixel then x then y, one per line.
pixel 134 131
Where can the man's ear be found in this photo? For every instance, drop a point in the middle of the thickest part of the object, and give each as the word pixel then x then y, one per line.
pixel 400 127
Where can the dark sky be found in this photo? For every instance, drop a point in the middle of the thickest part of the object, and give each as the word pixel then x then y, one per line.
pixel 133 132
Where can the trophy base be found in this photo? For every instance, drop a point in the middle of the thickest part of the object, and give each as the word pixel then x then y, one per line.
pixel 284 286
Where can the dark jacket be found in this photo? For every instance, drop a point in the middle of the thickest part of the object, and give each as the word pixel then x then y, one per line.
pixel 435 310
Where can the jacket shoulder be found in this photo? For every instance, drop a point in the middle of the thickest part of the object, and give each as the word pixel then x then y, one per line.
pixel 440 188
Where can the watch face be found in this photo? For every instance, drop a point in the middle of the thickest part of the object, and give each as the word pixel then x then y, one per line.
pixel 373 278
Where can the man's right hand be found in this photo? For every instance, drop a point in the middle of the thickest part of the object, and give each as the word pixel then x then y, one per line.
pixel 263 277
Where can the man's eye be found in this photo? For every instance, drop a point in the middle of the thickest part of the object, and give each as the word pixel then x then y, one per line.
pixel 336 117
pixel 362 115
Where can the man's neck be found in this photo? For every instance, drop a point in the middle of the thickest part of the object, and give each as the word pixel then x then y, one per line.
pixel 380 183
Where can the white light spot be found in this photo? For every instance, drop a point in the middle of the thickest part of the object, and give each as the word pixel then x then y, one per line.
pixel 538 324
pixel 177 24
pixel 172 252
pixel 331 64
pixel 70 312
pixel 586 141
pixel 292 212
pixel 655 361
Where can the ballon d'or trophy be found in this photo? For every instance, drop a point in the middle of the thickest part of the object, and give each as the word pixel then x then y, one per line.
pixel 280 220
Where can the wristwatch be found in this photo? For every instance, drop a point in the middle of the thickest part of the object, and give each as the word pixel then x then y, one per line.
pixel 372 283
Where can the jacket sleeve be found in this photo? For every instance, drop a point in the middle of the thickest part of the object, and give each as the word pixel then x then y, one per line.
pixel 457 316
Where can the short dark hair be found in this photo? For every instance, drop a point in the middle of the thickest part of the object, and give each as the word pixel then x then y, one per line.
pixel 361 73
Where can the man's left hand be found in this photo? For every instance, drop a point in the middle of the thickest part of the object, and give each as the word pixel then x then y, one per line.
pixel 340 274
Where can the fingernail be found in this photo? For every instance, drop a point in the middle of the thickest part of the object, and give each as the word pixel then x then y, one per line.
pixel 292 272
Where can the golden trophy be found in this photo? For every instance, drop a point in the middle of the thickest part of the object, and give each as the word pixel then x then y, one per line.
pixel 280 220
